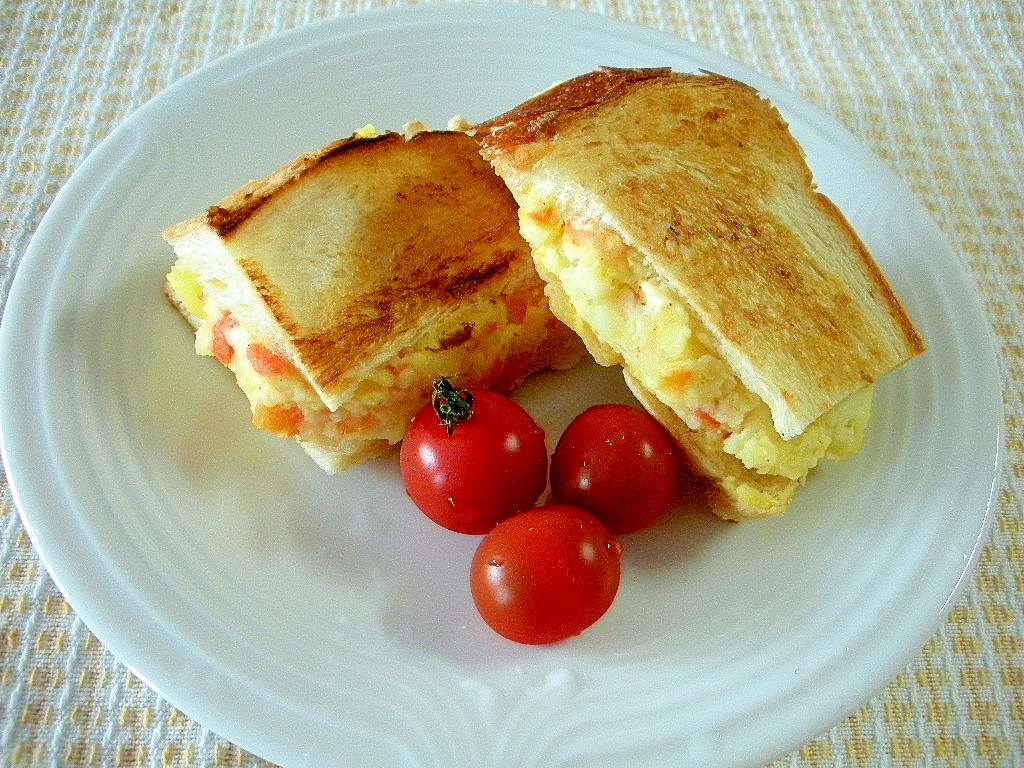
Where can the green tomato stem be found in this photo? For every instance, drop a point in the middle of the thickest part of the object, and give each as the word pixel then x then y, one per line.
pixel 450 404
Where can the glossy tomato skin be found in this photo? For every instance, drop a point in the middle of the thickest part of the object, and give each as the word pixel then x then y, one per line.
pixel 545 574
pixel 619 463
pixel 492 465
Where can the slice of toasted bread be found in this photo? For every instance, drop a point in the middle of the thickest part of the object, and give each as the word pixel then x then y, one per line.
pixel 369 267
pixel 702 177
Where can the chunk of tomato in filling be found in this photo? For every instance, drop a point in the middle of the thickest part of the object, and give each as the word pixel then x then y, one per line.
pixel 264 361
pixel 504 375
pixel 284 420
pixel 222 348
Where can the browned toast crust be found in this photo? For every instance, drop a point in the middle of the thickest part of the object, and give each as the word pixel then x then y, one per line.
pixel 243 203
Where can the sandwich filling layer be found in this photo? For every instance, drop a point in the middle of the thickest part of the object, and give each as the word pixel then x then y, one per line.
pixel 494 342
pixel 628 317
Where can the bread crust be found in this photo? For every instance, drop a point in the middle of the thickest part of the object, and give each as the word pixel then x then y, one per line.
pixel 702 176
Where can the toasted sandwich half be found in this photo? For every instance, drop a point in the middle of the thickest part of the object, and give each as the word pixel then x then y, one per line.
pixel 338 287
pixel 676 224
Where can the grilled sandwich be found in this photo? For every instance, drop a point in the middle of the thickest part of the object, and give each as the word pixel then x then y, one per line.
pixel 339 286
pixel 676 224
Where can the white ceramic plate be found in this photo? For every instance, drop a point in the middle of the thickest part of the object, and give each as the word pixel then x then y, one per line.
pixel 322 621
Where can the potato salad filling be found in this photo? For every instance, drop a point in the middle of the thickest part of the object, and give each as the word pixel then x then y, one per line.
pixel 282 400
pixel 643 327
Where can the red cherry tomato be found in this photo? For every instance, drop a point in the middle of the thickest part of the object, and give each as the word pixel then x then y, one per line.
pixel 491 464
pixel 618 463
pixel 545 574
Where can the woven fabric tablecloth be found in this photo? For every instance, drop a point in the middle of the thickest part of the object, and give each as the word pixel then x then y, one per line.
pixel 934 89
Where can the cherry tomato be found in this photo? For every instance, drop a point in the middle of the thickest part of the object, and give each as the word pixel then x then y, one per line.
pixel 545 574
pixel 619 463
pixel 473 470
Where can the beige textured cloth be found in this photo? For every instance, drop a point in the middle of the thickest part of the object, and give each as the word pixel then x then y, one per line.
pixel 933 88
